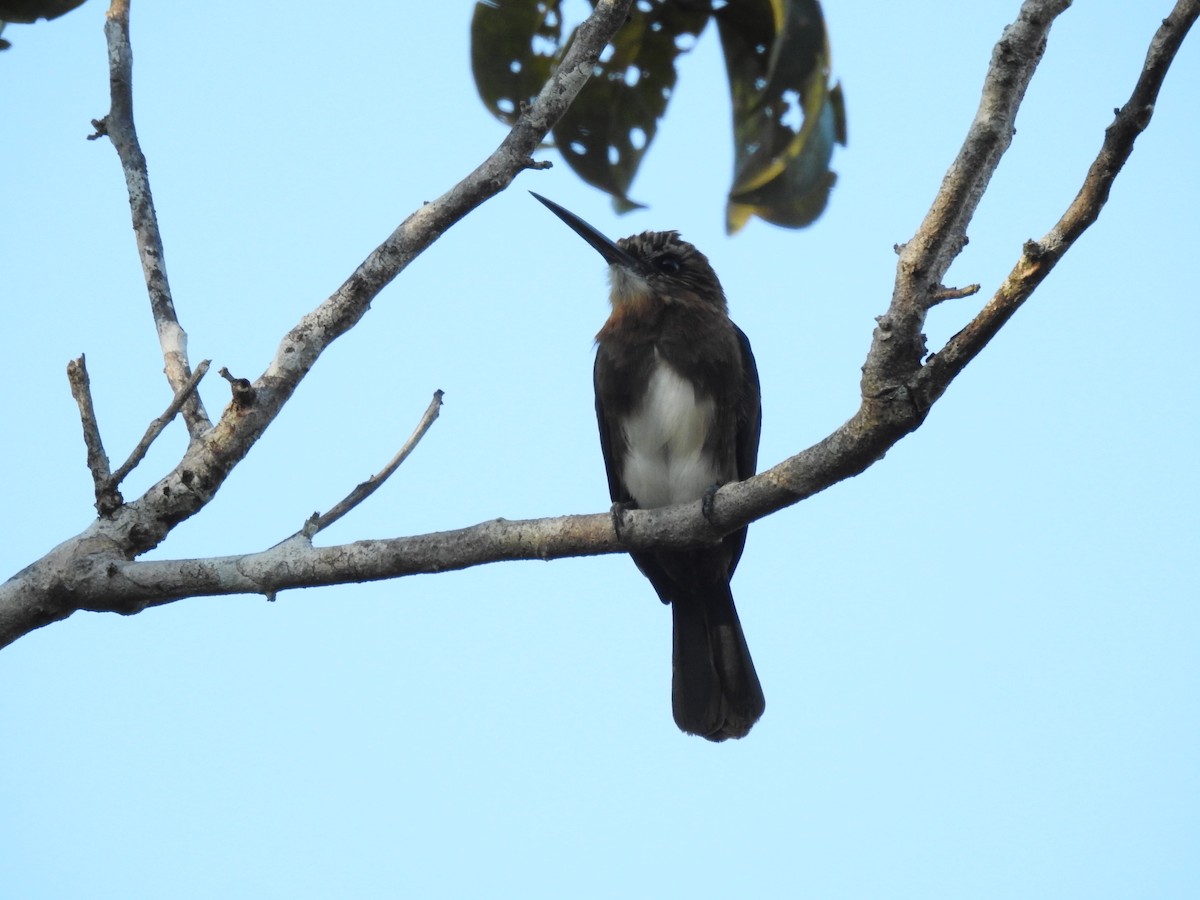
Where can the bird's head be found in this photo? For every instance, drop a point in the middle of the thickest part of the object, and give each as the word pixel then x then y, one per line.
pixel 654 266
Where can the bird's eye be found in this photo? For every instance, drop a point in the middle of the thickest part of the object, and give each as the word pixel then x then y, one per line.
pixel 668 265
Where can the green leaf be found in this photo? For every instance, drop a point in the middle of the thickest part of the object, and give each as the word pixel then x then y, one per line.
pixel 515 45
pixel 613 121
pixel 786 115
pixel 26 12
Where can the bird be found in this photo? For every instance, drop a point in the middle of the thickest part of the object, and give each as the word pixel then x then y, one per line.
pixel 678 405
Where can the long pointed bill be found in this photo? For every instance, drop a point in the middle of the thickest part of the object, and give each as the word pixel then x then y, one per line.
pixel 612 254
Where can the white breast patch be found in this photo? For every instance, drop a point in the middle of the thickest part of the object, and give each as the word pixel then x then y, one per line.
pixel 666 464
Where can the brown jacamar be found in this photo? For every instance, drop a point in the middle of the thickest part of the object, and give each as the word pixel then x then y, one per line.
pixel 677 401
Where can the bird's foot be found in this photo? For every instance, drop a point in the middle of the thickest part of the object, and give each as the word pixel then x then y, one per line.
pixel 706 503
pixel 618 514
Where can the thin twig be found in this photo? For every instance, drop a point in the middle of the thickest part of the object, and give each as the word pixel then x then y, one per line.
pixel 193 483
pixel 97 459
pixel 367 488
pixel 109 579
pixel 118 126
pixel 158 425
pixel 956 293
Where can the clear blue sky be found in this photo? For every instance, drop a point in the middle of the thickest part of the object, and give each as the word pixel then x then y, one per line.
pixel 980 657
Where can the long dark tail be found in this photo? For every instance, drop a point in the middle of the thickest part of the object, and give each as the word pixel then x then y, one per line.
pixel 715 691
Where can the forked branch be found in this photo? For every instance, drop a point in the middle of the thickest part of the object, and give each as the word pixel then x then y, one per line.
pixel 40 593
pixel 96 569
pixel 1038 258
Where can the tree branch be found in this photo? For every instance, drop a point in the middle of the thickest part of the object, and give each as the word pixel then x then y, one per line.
pixel 39 595
pixel 947 293
pixel 367 488
pixel 118 126
pixel 899 345
pixel 97 458
pixel 1038 258
pixel 158 425
pixel 95 571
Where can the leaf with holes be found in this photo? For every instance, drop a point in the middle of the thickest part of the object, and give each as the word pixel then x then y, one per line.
pixel 612 122
pixel 515 45
pixel 786 115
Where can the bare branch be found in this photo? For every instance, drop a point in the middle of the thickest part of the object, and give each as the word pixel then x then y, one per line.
pixel 97 459
pixel 1038 258
pixel 944 293
pixel 118 126
pixel 899 344
pixel 158 425
pixel 37 596
pixel 295 563
pixel 208 462
pixel 94 570
pixel 108 497
pixel 368 487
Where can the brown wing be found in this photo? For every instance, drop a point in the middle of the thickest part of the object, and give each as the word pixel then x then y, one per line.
pixel 749 429
pixel 610 434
